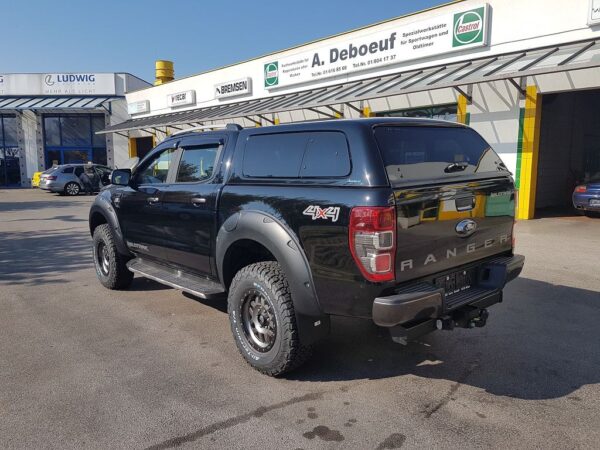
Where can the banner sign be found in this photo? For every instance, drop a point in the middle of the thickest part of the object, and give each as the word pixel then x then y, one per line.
pixel 143 106
pixel 181 98
pixel 232 88
pixel 78 84
pixel 436 36
pixel 594 12
pixel 57 84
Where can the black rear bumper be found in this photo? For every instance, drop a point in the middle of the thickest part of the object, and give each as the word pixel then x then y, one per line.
pixel 422 301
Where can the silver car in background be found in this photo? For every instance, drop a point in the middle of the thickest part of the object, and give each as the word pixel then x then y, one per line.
pixel 65 179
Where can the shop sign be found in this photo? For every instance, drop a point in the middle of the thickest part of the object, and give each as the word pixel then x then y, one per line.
pixel 57 84
pixel 395 45
pixel 181 98
pixel 143 106
pixel 233 88
pixel 594 12
pixel 78 83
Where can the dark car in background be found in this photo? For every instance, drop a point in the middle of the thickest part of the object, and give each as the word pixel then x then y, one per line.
pixel 586 197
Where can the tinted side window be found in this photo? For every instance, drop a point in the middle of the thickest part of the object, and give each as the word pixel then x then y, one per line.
pixel 157 169
pixel 78 171
pixel 274 155
pixel 326 155
pixel 297 155
pixel 68 170
pixel 197 163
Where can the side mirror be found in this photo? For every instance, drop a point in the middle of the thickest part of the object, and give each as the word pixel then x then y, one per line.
pixel 120 177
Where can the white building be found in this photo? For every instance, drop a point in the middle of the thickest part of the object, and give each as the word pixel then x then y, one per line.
pixel 525 74
pixel 51 118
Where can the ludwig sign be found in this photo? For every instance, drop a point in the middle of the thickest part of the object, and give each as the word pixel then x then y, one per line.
pixel 78 83
pixel 430 37
pixel 242 86
pixel 181 98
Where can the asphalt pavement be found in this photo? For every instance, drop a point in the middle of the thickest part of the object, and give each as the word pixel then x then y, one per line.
pixel 84 367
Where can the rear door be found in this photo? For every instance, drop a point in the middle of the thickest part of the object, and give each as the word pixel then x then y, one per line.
pixel 454 197
pixel 139 206
pixel 190 204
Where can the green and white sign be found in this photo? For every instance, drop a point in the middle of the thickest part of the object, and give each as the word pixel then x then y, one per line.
pixel 468 27
pixel 271 74
pixel 394 44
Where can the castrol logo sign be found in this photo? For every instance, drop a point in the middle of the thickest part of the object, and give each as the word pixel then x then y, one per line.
pixel 468 27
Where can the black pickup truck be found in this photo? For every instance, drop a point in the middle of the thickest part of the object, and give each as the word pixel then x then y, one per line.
pixel 405 222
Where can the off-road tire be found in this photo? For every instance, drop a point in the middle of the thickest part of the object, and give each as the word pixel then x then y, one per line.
pixel 286 353
pixel 72 189
pixel 117 276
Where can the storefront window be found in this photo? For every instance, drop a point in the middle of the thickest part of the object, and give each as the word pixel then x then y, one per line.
pixel 99 156
pixel 75 130
pixel 10 170
pixel 98 140
pixel 10 131
pixel 52 158
pixel 52 131
pixel 70 138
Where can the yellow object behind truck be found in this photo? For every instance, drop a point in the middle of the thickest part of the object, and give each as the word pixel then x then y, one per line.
pixel 35 180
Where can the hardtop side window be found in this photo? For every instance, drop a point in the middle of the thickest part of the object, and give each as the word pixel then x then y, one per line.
pixel 274 155
pixel 326 155
pixel 157 168
pixel 296 155
pixel 197 163
pixel 68 170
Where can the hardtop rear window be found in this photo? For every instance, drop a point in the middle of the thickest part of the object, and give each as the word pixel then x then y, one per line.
pixel 419 153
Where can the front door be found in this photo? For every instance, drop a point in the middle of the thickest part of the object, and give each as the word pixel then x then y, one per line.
pixel 140 208
pixel 190 204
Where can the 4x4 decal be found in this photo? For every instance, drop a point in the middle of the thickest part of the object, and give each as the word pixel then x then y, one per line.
pixel 316 212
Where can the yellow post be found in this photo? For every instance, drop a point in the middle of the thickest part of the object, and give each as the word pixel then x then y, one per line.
pixel 276 121
pixel 528 161
pixel 366 112
pixel 132 147
pixel 461 110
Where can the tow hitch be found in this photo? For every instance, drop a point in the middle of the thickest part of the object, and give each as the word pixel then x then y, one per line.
pixel 466 317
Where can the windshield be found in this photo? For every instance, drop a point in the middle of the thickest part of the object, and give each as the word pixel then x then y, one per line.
pixel 412 153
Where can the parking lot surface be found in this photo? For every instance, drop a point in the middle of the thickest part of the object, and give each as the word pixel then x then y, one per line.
pixel 84 367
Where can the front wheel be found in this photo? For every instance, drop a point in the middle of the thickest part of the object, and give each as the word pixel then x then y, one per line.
pixel 72 188
pixel 111 266
pixel 261 313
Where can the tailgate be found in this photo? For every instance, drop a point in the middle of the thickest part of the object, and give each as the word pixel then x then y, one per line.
pixel 449 225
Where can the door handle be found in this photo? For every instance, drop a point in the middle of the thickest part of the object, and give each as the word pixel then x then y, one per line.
pixel 152 200
pixel 198 201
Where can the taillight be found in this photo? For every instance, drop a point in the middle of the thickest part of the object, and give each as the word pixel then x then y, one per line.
pixel 373 241
pixel 581 188
pixel 52 178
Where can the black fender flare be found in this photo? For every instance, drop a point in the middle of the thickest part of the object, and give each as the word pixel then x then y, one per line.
pixel 283 244
pixel 103 206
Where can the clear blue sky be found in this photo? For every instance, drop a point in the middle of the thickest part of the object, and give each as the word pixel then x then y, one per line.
pixel 129 35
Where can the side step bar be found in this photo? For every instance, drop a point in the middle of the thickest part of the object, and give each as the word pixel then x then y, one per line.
pixel 200 287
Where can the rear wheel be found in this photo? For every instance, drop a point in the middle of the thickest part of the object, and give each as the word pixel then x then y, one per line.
pixel 72 188
pixel 110 265
pixel 261 313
